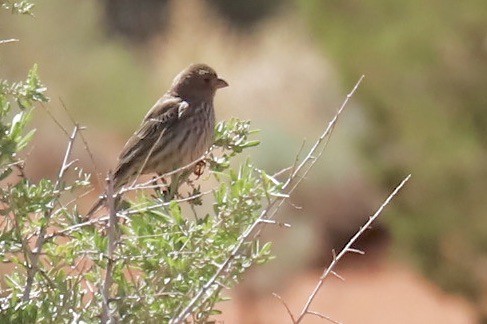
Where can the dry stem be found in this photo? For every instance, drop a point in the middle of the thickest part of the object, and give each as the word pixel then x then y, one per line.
pixel 33 259
pixel 347 249
pixel 107 314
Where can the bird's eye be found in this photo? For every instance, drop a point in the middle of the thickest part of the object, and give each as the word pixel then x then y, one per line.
pixel 207 80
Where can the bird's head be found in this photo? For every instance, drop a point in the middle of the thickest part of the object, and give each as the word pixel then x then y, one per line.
pixel 197 82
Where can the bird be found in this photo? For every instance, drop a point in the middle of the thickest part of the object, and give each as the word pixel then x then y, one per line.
pixel 175 132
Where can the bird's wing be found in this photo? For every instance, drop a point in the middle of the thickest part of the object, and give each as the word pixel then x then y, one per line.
pixel 164 108
pixel 165 112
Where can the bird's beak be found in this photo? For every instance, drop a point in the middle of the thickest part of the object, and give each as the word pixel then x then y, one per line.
pixel 220 83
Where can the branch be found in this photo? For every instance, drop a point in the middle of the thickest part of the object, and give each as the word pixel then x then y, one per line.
pixel 311 158
pixel 83 139
pixel 348 248
pixel 107 314
pixel 149 184
pixel 67 155
pixel 323 317
pixel 122 214
pixel 34 259
pixel 291 316
pixel 137 210
pixel 5 41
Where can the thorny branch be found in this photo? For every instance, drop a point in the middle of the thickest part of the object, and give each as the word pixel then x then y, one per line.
pixel 347 249
pixel 305 165
pixel 32 261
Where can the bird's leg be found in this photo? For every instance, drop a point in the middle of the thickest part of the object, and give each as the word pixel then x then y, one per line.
pixel 157 186
pixel 177 180
pixel 199 168
pixel 173 187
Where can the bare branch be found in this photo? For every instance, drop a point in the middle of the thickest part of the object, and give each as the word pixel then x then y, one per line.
pixel 346 249
pixel 337 275
pixel 107 315
pixel 145 185
pixel 11 40
pixel 70 229
pixel 285 306
pixel 92 158
pixel 65 166
pixel 324 317
pixel 282 171
pixel 273 222
pixel 137 210
pixel 352 250
pixel 296 160
pixel 85 142
pixel 315 153
pixel 317 149
pixel 55 120
pixel 33 261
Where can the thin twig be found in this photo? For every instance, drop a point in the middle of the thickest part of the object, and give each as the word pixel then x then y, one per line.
pixel 337 275
pixel 66 163
pixel 85 142
pixel 11 40
pixel 273 222
pixel 122 214
pixel 285 306
pixel 163 204
pixel 150 182
pixel 296 160
pixel 34 259
pixel 282 171
pixel 324 317
pixel 55 120
pixel 310 159
pixel 72 228
pixel 107 315
pixel 356 251
pixel 92 157
pixel 348 248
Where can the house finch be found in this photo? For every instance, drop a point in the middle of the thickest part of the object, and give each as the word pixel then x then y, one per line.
pixel 176 131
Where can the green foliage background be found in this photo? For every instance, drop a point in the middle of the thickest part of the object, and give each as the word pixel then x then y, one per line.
pixel 426 69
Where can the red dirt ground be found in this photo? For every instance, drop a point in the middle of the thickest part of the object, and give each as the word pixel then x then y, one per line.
pixel 382 293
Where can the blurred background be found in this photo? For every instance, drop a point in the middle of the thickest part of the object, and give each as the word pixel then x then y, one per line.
pixel 422 109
